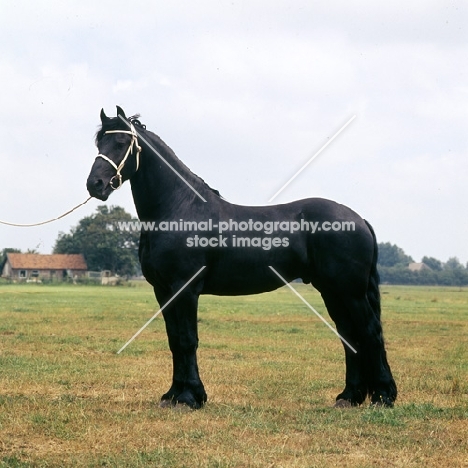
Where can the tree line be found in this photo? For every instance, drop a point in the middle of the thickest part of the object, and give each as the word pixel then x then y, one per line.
pixel 393 269
pixel 106 247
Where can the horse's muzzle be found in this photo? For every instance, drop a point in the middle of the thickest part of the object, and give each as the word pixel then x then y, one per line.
pixel 97 188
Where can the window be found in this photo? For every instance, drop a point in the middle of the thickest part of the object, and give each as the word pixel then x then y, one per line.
pixel 22 274
pixel 35 274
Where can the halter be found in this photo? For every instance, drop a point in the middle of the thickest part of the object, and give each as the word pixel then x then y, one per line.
pixel 118 175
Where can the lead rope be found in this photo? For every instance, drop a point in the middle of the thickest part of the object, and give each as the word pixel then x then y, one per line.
pixel 49 220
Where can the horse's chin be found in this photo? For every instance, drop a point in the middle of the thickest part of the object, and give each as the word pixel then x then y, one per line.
pixel 100 195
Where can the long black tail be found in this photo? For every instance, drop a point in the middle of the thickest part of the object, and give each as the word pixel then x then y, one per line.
pixel 373 291
pixel 385 392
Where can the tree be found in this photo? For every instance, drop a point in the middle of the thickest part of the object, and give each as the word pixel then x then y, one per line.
pixel 392 255
pixel 3 256
pixel 454 272
pixel 103 244
pixel 453 264
pixel 432 263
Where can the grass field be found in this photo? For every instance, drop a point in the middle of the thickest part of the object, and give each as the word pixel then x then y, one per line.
pixel 270 367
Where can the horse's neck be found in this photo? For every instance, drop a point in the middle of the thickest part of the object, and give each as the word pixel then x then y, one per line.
pixel 160 191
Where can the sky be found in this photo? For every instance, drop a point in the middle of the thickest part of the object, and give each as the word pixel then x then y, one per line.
pixel 245 93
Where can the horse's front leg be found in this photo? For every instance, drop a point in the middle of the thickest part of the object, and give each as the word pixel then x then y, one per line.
pixel 180 317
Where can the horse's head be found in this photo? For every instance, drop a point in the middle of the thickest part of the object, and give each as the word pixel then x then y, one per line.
pixel 118 158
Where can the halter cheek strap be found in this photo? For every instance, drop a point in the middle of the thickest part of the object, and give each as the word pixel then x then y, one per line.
pixel 118 169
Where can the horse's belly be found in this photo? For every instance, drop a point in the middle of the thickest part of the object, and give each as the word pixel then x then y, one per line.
pixel 240 287
pixel 250 277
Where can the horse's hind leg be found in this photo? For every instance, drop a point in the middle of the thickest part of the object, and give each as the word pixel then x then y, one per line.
pixel 180 317
pixel 367 371
pixel 356 384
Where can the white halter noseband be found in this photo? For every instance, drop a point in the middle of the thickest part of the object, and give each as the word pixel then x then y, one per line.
pixel 118 175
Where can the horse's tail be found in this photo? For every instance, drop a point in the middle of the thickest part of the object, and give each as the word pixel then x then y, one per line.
pixel 373 291
pixel 373 297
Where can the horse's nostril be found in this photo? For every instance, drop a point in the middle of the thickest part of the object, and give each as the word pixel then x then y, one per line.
pixel 94 185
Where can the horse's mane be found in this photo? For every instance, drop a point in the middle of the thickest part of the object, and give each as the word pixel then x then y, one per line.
pixel 115 124
pixel 166 149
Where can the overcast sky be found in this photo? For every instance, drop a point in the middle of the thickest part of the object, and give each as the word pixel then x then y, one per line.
pixel 245 92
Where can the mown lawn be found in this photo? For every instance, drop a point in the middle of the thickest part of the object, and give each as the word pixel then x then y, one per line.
pixel 270 367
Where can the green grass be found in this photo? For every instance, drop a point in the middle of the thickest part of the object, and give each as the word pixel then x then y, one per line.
pixel 270 367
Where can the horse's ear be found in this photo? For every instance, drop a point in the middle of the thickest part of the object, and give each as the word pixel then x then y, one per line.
pixel 121 112
pixel 103 116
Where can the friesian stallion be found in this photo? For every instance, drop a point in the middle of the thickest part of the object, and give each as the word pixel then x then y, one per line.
pixel 187 227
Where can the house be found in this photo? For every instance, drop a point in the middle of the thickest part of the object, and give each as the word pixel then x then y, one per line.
pixel 418 267
pixel 29 266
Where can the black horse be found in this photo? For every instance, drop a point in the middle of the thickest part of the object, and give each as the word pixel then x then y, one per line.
pixel 245 250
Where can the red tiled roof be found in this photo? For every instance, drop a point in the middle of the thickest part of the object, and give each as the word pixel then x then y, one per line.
pixel 47 262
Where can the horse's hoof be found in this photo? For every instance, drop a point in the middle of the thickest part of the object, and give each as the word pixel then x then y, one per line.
pixel 343 404
pixel 382 403
pixel 176 406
